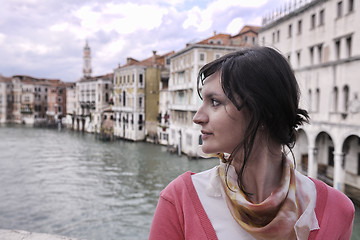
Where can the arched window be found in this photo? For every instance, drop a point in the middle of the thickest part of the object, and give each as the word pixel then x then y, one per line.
pixel 317 103
pixel 346 98
pixel 335 98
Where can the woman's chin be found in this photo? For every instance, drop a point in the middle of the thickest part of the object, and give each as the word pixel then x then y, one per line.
pixel 205 152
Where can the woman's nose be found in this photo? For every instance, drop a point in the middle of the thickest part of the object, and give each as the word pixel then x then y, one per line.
pixel 200 117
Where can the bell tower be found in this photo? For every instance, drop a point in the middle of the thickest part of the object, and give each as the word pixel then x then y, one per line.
pixel 87 61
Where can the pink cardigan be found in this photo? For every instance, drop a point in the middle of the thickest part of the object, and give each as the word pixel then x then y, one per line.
pixel 180 215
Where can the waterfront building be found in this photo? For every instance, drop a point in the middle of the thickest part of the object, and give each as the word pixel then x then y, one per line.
pixel 184 135
pixel 318 38
pixel 27 99
pixel 56 109
pixel 136 97
pixel 6 99
pixel 70 104
pixel 93 97
pixel 164 114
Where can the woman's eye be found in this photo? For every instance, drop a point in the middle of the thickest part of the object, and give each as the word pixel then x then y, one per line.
pixel 215 103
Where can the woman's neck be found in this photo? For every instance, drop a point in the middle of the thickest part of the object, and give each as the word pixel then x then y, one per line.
pixel 263 171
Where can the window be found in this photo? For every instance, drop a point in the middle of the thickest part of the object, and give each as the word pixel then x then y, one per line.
pixel 311 55
pixel 140 79
pixel 317 96
pixel 290 31
pixel 120 79
pixel 298 54
pixel 299 27
pixel 313 22
pixel 346 98
pixel 348 46
pixel 335 99
pixel 59 99
pixel 124 98
pixel 351 6
pixel 217 56
pixel 320 52
pixel 321 17
pixel 140 102
pixel 278 35
pixel 59 109
pixel 339 9
pixel 337 49
pixel 273 37
pixel 202 57
pixel 253 40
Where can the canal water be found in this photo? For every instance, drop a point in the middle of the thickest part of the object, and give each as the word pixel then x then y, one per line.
pixel 69 183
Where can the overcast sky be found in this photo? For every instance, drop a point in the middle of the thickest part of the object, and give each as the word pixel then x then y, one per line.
pixel 45 38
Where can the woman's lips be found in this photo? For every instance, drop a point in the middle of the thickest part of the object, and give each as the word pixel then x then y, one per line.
pixel 205 134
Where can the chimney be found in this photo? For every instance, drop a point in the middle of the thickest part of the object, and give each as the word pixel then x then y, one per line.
pixel 214 32
pixel 154 57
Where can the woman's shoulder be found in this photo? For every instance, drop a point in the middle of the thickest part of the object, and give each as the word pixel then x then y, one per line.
pixel 177 186
pixel 328 199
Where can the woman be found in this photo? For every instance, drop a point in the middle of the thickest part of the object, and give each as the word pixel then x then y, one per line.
pixel 248 118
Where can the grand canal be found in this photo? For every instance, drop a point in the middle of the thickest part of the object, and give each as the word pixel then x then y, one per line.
pixel 69 183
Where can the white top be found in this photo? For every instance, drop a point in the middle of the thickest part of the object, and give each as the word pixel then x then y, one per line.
pixel 212 197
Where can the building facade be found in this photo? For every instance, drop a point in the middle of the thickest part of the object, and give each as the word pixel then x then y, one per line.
pixel 136 97
pixel 184 135
pixel 25 99
pixel 318 38
pixel 93 97
pixel 71 104
pixel 6 99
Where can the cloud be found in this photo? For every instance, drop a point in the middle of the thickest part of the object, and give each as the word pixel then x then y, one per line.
pixel 46 38
pixel 233 27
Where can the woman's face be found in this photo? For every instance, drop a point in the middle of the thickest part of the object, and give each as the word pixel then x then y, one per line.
pixel 223 126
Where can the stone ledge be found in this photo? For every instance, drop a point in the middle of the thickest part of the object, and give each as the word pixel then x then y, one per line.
pixel 24 235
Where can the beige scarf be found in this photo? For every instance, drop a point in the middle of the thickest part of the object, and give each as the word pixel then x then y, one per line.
pixel 276 216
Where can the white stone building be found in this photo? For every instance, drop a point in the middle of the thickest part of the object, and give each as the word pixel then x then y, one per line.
pixel 71 103
pixel 93 97
pixel 184 135
pixel 319 39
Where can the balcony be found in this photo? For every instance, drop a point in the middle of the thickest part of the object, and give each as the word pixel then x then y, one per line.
pixel 183 107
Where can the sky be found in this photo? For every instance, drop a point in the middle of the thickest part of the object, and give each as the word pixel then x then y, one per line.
pixel 45 38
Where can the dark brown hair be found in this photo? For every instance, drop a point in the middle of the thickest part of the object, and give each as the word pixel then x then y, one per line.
pixel 261 80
